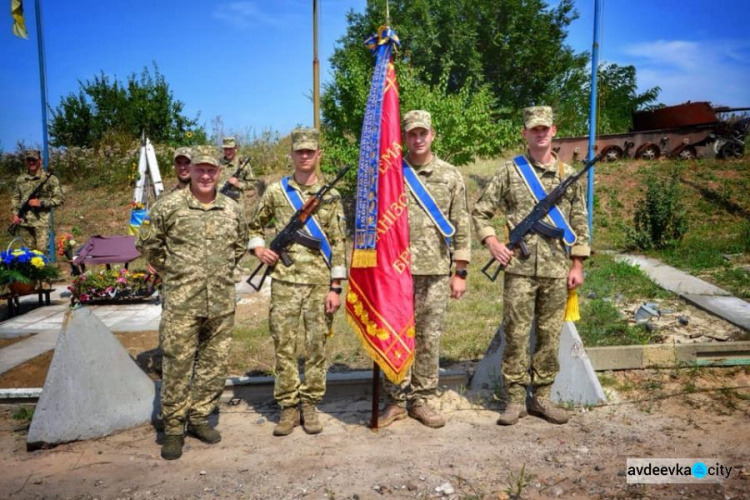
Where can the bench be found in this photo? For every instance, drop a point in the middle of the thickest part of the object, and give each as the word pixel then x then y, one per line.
pixel 14 306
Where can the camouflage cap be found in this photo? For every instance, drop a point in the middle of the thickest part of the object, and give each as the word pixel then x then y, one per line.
pixel 183 151
pixel 537 115
pixel 305 138
pixel 417 118
pixel 229 142
pixel 205 155
pixel 33 153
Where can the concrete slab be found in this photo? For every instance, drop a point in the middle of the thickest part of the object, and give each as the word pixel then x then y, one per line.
pixel 93 387
pixel 21 352
pixel 670 278
pixel 732 309
pixel 636 357
pixel 576 382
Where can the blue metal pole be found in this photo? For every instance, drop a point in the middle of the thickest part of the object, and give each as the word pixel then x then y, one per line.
pixel 592 118
pixel 45 139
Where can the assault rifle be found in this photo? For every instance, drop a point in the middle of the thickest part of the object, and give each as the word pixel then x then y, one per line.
pixel 26 207
pixel 294 232
pixel 534 221
pixel 231 190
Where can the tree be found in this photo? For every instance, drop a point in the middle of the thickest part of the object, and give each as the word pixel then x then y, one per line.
pixel 617 99
pixel 104 107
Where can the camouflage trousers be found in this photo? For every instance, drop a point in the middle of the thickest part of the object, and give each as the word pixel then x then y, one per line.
pixel 431 294
pixel 291 302
pixel 35 237
pixel 524 297
pixel 194 367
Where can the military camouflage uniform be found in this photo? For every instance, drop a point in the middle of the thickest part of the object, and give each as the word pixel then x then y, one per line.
pixel 300 290
pixel 194 247
pixel 537 285
pixel 430 268
pixel 34 230
pixel 245 179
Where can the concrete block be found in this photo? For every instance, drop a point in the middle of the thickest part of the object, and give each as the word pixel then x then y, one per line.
pixel 576 382
pixel 93 387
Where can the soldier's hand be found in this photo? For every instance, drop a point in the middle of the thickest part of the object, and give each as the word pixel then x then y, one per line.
pixel 16 219
pixel 499 251
pixel 575 276
pixel 233 181
pixel 458 287
pixel 34 202
pixel 333 302
pixel 267 256
pixel 151 269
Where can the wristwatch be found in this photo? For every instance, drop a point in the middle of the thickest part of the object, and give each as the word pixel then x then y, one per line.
pixel 336 289
pixel 462 273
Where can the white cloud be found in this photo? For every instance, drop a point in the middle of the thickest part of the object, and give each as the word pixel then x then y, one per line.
pixel 246 14
pixel 707 70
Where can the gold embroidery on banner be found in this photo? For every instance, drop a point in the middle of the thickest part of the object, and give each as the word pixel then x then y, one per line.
pixel 363 316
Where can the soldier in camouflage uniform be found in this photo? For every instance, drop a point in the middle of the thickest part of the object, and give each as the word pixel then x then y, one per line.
pixel 309 288
pixel 537 285
pixel 193 240
pixel 431 261
pixel 231 161
pixel 33 228
pixel 181 163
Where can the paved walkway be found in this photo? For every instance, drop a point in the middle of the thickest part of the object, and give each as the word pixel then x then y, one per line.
pixel 704 295
pixel 45 322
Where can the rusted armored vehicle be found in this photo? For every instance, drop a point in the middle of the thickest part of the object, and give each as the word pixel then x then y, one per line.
pixel 686 131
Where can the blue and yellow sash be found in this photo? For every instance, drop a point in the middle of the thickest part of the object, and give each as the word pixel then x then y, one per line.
pixel 311 226
pixel 537 191
pixel 427 202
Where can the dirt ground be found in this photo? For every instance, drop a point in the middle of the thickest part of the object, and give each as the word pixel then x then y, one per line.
pixel 472 457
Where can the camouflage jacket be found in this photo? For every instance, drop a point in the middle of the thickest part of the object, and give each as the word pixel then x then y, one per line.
pixel 430 254
pixel 508 194
pixel 308 266
pixel 51 196
pixel 245 180
pixel 194 248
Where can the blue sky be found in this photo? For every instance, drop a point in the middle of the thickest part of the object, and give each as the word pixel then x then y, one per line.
pixel 250 61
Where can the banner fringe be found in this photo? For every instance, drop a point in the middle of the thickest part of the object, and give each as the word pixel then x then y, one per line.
pixel 571 306
pixel 364 258
pixel 388 371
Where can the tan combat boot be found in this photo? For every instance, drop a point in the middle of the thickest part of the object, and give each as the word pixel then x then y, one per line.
pixel 390 414
pixel 544 408
pixel 511 414
pixel 204 432
pixel 171 449
pixel 427 416
pixel 310 421
pixel 288 421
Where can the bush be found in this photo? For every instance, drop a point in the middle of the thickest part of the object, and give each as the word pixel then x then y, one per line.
pixel 659 220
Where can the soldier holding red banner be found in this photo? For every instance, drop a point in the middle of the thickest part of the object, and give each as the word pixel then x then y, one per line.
pixel 439 235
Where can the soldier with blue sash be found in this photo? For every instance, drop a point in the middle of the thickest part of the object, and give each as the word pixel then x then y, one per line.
pixel 308 290
pixel 537 285
pixel 439 235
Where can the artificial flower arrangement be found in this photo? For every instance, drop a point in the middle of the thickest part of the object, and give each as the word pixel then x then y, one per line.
pixel 26 266
pixel 65 246
pixel 109 284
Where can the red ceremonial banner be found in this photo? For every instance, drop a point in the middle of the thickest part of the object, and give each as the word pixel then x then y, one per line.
pixel 380 302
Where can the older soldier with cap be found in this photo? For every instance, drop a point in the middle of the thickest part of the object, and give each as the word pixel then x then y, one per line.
pixel 539 284
pixel 308 290
pixel 33 227
pixel 439 233
pixel 193 240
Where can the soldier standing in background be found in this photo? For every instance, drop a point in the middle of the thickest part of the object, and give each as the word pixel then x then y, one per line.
pixel 537 285
pixel 193 240
pixel 181 164
pixel 33 227
pixel 440 235
pixel 309 289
